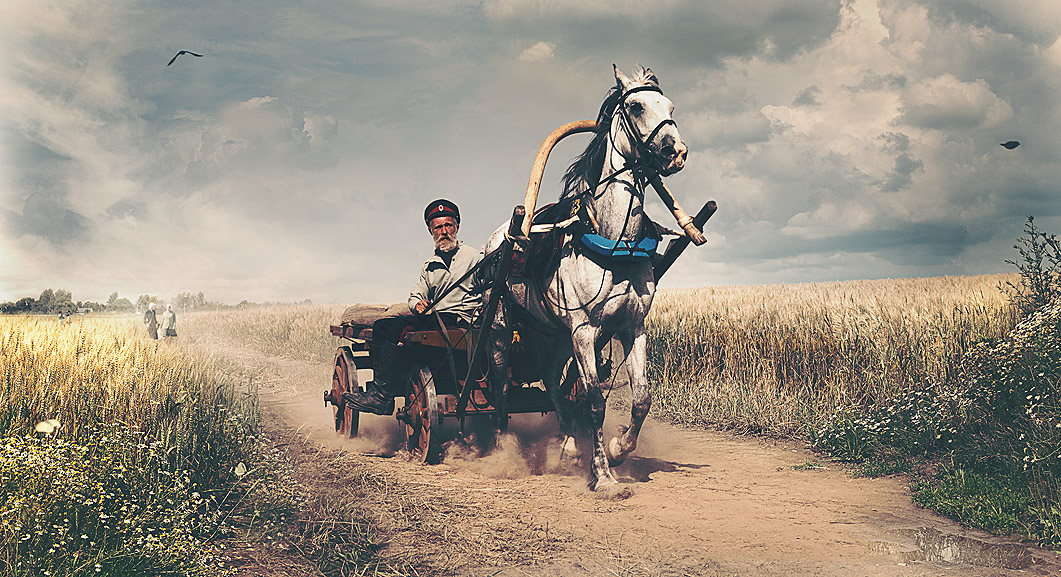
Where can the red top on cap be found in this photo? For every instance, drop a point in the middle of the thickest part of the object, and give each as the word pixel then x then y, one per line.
pixel 441 207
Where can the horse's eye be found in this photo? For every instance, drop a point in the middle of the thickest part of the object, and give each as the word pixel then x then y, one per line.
pixel 636 108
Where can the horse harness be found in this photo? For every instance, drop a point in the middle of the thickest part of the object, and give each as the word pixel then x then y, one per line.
pixel 580 228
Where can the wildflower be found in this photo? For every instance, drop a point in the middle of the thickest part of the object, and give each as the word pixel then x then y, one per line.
pixel 47 427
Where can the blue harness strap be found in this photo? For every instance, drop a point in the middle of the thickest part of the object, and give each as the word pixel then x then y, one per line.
pixel 620 249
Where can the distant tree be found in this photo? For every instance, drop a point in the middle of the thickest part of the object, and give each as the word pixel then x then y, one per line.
pixel 111 299
pixel 21 306
pixel 44 303
pixel 143 301
pixel 122 305
pixel 190 302
pixel 63 302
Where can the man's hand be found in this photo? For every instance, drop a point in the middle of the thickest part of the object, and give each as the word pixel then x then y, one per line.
pixel 422 306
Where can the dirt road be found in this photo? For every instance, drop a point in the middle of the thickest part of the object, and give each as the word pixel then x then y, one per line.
pixel 699 503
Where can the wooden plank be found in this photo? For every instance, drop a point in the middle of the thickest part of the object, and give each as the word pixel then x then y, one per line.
pixel 457 339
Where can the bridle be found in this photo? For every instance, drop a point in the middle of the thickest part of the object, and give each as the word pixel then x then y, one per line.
pixel 641 149
pixel 639 167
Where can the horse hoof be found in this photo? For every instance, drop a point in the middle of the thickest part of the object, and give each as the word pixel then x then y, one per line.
pixel 615 493
pixel 568 449
pixel 604 484
pixel 611 490
pixel 615 453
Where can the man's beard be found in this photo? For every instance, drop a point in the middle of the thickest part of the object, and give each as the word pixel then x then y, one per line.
pixel 445 243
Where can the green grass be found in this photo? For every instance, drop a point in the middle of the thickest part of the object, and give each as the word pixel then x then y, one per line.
pixel 978 500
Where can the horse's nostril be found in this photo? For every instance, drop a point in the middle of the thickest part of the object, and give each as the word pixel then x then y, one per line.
pixel 668 151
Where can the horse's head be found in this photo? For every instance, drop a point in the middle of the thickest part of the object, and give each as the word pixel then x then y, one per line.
pixel 645 114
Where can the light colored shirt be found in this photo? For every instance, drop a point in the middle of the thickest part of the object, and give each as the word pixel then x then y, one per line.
pixel 436 277
pixel 169 320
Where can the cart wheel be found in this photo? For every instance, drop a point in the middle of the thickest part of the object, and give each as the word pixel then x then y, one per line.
pixel 423 411
pixel 344 378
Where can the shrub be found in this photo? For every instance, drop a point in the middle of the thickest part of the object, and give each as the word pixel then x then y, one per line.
pixel 1040 269
pixel 917 422
pixel 1014 412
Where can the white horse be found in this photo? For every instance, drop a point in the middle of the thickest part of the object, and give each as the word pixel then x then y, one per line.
pixel 600 285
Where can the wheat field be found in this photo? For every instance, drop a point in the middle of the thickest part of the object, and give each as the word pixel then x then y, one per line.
pixel 779 359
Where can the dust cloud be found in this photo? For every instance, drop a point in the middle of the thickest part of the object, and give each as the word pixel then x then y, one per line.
pixel 532 445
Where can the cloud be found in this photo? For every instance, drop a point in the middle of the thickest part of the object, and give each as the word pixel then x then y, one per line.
pixel 946 102
pixel 840 139
pixel 538 53
pixel 677 33
pixel 809 97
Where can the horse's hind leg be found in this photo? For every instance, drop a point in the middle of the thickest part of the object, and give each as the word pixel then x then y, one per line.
pixel 641 401
pixel 553 377
pixel 500 342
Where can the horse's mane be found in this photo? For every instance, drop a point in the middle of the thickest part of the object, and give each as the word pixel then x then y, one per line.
pixel 584 173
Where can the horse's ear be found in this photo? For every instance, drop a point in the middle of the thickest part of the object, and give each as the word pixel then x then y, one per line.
pixel 649 76
pixel 621 79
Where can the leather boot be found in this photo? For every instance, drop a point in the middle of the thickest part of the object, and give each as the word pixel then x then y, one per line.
pixel 375 399
pixel 378 397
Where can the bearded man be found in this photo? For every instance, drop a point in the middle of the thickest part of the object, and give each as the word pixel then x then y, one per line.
pixel 448 263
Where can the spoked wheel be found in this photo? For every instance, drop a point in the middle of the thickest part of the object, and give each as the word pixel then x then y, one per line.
pixel 344 379
pixel 422 417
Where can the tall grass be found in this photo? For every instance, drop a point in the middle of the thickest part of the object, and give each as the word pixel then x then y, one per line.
pixel 148 436
pixel 292 331
pixel 93 373
pixel 780 359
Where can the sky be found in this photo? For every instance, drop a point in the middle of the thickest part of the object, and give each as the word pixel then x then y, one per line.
pixel 842 140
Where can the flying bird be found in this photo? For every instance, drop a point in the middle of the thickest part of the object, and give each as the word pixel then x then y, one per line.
pixel 184 52
pixel 1010 144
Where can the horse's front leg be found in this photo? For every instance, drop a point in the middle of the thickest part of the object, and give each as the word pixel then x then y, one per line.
pixel 584 339
pixel 641 401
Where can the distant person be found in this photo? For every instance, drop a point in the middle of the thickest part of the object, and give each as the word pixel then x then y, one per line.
pixel 169 322
pixel 446 265
pixel 151 321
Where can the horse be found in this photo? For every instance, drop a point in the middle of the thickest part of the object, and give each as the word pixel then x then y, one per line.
pixel 569 303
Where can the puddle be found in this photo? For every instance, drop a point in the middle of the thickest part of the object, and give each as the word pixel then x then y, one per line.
pixel 926 544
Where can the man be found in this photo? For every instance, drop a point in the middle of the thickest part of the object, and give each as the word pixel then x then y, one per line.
pixel 447 265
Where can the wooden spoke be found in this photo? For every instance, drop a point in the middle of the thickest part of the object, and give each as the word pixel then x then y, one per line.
pixel 344 378
pixel 423 411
